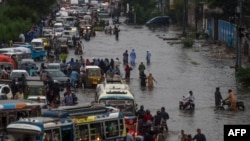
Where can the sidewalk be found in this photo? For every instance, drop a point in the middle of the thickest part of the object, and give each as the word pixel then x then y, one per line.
pixel 221 51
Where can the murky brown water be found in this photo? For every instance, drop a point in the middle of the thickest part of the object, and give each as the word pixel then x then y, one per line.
pixel 177 70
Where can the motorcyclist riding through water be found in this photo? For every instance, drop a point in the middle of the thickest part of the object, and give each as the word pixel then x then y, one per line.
pixel 188 100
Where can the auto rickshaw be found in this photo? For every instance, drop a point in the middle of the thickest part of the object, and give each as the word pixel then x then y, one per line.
pixel 35 87
pixel 62 44
pixel 92 76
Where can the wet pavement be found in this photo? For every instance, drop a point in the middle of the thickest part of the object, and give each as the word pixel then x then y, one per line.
pixel 177 70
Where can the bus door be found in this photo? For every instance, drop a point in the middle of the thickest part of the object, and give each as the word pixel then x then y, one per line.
pixel 67 133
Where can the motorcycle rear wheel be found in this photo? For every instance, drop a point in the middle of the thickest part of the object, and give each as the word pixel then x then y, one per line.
pixel 241 107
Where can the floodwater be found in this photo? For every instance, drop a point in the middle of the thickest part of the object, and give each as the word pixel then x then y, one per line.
pixel 177 71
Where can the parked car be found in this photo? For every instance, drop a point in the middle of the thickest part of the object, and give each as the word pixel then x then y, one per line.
pixel 42 100
pixel 56 75
pixel 5 91
pixel 158 21
pixel 54 66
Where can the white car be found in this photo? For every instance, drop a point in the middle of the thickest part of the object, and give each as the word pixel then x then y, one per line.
pixel 54 66
pixel 58 32
pixel 18 74
pixel 6 90
pixel 39 99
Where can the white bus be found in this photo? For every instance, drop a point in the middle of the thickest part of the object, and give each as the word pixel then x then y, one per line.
pixel 118 95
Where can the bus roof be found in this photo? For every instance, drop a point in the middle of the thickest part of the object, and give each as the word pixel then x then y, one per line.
pixel 101 117
pixel 83 109
pixel 38 123
pixel 92 67
pixel 16 104
pixel 116 94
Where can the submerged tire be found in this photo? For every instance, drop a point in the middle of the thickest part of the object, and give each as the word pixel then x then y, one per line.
pixel 241 107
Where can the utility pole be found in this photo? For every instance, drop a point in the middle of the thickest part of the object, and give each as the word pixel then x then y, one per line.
pixel 239 37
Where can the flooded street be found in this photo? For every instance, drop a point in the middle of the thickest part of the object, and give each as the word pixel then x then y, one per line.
pixel 177 71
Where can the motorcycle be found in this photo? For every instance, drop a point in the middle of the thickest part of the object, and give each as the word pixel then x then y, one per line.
pixel 239 104
pixel 189 105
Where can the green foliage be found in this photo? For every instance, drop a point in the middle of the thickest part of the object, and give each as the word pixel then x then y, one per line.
pixel 243 76
pixel 188 42
pixel 17 16
pixel 43 7
pixel 178 11
pixel 229 7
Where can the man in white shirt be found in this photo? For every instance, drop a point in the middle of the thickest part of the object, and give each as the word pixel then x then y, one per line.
pixel 117 63
pixel 188 99
pixel 129 136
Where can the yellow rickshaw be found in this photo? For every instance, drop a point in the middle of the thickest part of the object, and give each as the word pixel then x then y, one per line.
pixel 92 76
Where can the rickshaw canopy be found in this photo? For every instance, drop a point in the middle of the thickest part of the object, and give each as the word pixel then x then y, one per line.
pixel 4 58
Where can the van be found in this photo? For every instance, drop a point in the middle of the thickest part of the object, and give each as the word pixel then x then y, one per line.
pixel 158 21
pixel 37 44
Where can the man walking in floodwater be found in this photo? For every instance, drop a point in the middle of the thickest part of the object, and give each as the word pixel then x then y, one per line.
pixel 218 97
pixel 125 57
pixel 151 81
pixel 132 57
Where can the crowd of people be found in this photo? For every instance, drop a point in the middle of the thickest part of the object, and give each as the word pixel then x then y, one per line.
pixel 188 137
pixel 147 121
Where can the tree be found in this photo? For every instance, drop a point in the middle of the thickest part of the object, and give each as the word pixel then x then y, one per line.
pixel 144 9
pixel 229 7
pixel 17 16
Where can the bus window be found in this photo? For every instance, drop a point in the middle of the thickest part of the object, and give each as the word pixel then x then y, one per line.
pixel 112 128
pixel 121 123
pixel 66 135
pixel 11 118
pixel 84 132
pixel 22 114
pixel 1 123
pixel 47 135
pixel 95 131
pixel 56 135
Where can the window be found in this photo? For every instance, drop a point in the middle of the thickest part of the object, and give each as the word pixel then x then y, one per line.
pixel 121 125
pixel 84 132
pixel 56 135
pixel 52 135
pixel 5 90
pixel 112 128
pixel 66 134
pixel 47 135
pixel 96 131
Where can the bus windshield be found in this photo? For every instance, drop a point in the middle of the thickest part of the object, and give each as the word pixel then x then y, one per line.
pixel 20 136
pixel 127 107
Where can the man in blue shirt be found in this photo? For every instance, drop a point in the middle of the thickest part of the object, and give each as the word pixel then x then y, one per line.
pixel 74 77
pixel 132 57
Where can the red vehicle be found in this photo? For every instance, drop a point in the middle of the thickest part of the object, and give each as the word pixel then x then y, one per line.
pixel 6 60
